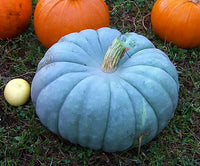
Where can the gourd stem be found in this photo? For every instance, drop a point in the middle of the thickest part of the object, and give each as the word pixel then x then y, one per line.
pixel 194 1
pixel 113 55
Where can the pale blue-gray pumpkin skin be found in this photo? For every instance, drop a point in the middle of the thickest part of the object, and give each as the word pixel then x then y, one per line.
pixel 74 98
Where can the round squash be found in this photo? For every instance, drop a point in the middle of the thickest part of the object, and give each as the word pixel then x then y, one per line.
pixel 17 92
pixel 56 18
pixel 177 22
pixel 109 102
pixel 14 17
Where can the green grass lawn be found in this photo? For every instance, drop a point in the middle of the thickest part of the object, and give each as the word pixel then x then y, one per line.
pixel 25 141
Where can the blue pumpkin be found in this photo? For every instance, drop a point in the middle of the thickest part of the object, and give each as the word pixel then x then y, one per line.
pixel 105 90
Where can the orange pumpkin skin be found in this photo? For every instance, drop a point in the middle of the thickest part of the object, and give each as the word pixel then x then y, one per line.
pixel 14 17
pixel 177 21
pixel 56 18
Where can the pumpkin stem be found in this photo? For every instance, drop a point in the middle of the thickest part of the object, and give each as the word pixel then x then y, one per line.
pixel 194 1
pixel 113 55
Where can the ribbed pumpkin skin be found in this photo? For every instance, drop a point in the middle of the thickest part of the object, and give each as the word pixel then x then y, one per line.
pixel 14 17
pixel 177 21
pixel 74 98
pixel 56 18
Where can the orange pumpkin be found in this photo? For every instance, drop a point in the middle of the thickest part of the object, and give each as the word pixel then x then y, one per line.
pixel 177 21
pixel 56 18
pixel 14 17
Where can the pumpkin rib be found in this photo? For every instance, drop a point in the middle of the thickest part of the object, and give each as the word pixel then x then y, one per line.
pixel 105 37
pixel 78 131
pixel 53 5
pixel 100 14
pixel 122 137
pixel 79 117
pixel 169 20
pixel 70 62
pixel 188 16
pixel 133 108
pixel 126 56
pixel 137 133
pixel 108 117
pixel 157 110
pixel 47 3
pixel 44 8
pixel 46 63
pixel 154 67
pixel 133 111
pixel 54 128
pixel 156 81
pixel 85 17
pixel 136 45
pixel 82 88
pixel 47 12
pixel 65 98
pixel 52 64
pixel 80 15
pixel 57 126
pixel 90 86
pixel 149 50
pixel 78 45
pixel 51 81
pixel 65 6
pixel 87 53
pixel 151 66
pixel 157 62
pixel 53 58
pixel 90 42
pixel 100 44
pixel 156 115
pixel 146 97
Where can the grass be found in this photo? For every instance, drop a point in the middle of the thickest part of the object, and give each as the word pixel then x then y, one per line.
pixel 24 141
